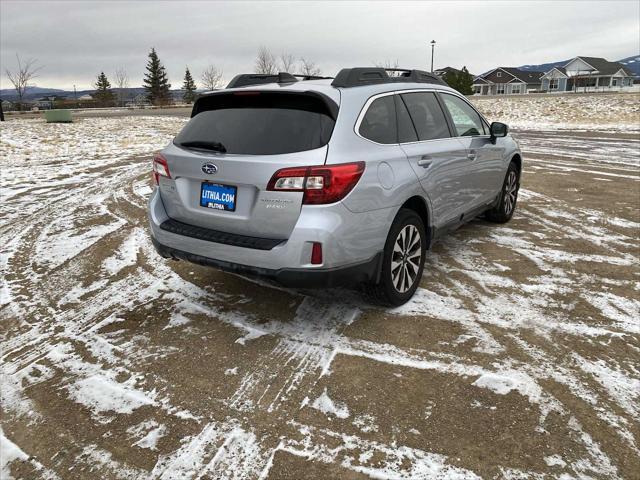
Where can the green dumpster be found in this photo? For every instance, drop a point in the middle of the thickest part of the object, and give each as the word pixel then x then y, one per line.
pixel 58 116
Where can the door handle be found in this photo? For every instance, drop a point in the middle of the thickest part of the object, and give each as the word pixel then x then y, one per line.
pixel 424 162
pixel 471 155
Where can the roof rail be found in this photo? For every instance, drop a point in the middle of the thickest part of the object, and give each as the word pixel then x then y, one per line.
pixel 302 76
pixel 359 76
pixel 247 79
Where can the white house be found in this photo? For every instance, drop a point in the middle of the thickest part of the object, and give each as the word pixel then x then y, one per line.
pixel 587 74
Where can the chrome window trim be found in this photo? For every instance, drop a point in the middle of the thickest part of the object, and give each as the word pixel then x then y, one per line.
pixel 373 98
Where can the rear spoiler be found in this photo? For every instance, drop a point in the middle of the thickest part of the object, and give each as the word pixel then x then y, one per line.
pixel 239 99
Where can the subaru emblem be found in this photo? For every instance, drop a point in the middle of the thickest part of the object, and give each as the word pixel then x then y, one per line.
pixel 209 168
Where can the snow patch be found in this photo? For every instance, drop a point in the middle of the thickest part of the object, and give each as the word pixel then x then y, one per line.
pixel 102 394
pixel 150 440
pixel 328 406
pixel 366 423
pixel 555 460
pixel 9 452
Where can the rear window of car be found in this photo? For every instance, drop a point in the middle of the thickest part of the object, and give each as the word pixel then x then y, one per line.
pixel 379 123
pixel 259 123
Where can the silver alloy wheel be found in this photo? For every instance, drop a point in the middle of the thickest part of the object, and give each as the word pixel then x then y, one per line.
pixel 510 192
pixel 406 257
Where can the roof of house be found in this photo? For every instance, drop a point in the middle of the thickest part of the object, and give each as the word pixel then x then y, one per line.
pixel 524 75
pixel 604 66
pixel 559 69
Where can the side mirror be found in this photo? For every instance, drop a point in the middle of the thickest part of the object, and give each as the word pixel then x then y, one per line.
pixel 498 130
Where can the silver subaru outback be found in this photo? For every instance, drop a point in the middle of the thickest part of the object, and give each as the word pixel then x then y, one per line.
pixel 330 182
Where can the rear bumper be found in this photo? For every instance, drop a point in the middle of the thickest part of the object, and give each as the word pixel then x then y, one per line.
pixel 351 243
pixel 351 275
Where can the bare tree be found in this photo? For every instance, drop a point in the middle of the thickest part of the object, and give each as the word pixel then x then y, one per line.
pixel 20 79
pixel 308 67
pixel 122 82
pixel 212 78
pixel 266 62
pixel 287 62
pixel 387 64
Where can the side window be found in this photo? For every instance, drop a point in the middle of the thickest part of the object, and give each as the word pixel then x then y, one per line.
pixel 379 123
pixel 406 130
pixel 465 119
pixel 427 115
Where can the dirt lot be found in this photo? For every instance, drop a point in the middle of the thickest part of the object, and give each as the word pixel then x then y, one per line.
pixel 518 357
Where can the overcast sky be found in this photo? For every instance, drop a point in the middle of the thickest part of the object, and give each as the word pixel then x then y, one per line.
pixel 74 41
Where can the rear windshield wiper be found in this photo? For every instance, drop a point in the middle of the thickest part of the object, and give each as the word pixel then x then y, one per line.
pixel 215 146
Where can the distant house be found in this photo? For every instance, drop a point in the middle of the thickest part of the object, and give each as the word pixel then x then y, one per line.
pixel 587 74
pixel 44 103
pixel 139 100
pixel 507 81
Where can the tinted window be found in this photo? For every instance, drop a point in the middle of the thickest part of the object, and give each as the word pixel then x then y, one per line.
pixel 427 115
pixel 260 124
pixel 406 130
pixel 465 119
pixel 379 123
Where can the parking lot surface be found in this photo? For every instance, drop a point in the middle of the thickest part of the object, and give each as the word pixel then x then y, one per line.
pixel 518 357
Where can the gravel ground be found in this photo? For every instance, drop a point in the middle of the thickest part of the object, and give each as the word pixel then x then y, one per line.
pixel 517 358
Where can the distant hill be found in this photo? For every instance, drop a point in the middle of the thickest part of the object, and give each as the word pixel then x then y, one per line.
pixel 543 67
pixel 34 93
pixel 5 93
pixel 632 63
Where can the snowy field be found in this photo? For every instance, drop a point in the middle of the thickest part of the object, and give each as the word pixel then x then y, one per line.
pixel 616 112
pixel 518 358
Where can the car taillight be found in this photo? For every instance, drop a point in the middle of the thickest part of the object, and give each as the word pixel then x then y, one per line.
pixel 321 184
pixel 160 167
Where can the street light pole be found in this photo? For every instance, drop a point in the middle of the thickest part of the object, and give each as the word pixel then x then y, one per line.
pixel 433 45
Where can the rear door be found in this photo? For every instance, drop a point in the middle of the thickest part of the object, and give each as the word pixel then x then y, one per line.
pixel 485 169
pixel 221 162
pixel 439 160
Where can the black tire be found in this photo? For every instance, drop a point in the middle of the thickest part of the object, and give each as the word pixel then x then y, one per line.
pixel 503 211
pixel 391 291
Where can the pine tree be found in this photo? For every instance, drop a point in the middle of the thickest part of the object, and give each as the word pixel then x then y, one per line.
pixel 156 82
pixel 461 81
pixel 104 95
pixel 189 87
pixel 465 82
